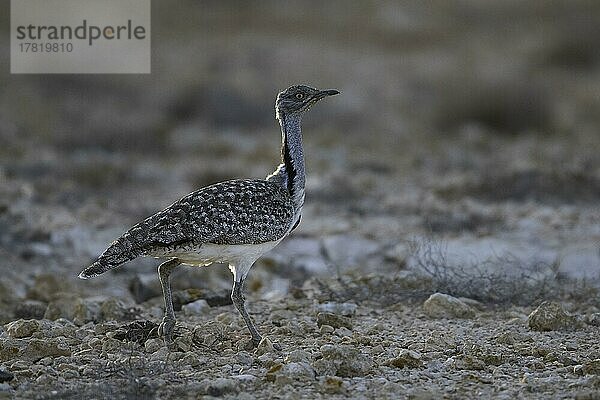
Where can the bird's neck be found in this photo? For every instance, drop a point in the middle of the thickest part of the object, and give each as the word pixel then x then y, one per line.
pixel 292 157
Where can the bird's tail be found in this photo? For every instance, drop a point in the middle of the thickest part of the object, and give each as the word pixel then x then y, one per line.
pixel 97 268
pixel 120 251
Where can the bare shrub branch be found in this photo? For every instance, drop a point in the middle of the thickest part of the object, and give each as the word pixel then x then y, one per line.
pixel 499 279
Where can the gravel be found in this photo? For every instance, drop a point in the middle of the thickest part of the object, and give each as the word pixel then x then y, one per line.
pixel 389 348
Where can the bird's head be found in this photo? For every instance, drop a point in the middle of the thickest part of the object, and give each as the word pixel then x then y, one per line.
pixel 298 99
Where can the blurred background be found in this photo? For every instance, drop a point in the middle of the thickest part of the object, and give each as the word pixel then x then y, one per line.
pixel 472 122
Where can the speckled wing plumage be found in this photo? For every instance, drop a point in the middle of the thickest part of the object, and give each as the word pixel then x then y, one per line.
pixel 233 212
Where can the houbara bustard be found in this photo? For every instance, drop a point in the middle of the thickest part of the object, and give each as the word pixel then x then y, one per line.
pixel 233 222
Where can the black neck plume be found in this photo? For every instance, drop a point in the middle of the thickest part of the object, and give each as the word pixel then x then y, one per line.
pixel 292 155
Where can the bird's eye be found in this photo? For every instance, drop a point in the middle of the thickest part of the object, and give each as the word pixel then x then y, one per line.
pixel 299 96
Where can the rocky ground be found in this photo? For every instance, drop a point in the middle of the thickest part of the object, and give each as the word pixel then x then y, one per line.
pixel 443 347
pixel 449 245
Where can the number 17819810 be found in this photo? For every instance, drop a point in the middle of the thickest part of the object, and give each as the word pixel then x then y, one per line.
pixel 45 47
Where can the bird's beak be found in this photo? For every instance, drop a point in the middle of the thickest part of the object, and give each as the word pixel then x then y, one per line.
pixel 329 92
pixel 324 93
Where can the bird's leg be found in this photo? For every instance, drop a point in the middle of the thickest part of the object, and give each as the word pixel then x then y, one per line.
pixel 237 296
pixel 165 329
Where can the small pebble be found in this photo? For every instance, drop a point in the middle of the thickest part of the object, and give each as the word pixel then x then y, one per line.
pixel 333 320
pixel 440 305
pixel 6 376
pixel 551 316
pixel 198 307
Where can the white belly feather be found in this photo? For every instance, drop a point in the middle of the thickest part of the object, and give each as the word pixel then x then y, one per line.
pixel 240 257
pixel 210 253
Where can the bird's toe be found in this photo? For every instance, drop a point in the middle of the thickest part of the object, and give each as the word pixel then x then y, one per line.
pixel 165 330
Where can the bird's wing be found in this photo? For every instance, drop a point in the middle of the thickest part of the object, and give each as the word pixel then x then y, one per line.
pixel 232 212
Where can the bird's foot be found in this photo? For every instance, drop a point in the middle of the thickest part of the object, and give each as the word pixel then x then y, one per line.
pixel 165 330
pixel 264 345
pixel 250 344
pixel 256 340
